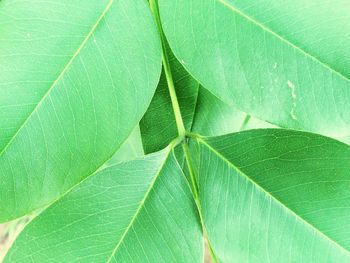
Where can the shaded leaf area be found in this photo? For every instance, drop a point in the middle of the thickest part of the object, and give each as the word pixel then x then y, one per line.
pixel 214 117
pixel 139 211
pixel 158 125
pixel 75 82
pixel 278 64
pixel 274 195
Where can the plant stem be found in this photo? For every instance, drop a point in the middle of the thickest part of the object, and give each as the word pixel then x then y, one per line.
pixel 196 197
pixel 190 170
pixel 178 118
pixel 167 69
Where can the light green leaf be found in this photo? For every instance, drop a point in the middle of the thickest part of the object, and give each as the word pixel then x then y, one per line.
pixel 158 125
pixel 275 196
pixel 140 211
pixel 346 139
pixel 75 80
pixel 131 149
pixel 283 62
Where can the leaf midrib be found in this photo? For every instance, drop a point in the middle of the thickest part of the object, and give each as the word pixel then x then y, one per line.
pixel 66 67
pixel 270 31
pixel 141 205
pixel 260 188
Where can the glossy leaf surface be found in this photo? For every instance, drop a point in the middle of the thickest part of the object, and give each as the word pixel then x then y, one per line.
pixel 282 62
pixel 76 79
pixel 139 211
pixel 275 196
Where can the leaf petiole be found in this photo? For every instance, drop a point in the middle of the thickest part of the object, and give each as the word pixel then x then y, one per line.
pixel 196 198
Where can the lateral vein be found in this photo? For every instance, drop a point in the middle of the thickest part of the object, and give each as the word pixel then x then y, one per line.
pixel 139 208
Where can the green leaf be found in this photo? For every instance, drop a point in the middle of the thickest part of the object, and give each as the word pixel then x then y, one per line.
pixel 346 139
pixel 275 196
pixel 131 149
pixel 140 211
pixel 214 117
pixel 158 125
pixel 285 63
pixel 76 79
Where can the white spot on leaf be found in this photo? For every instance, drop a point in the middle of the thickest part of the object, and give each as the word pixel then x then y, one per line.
pixel 290 84
pixel 292 87
pixel 294 96
pixel 275 65
pixel 292 114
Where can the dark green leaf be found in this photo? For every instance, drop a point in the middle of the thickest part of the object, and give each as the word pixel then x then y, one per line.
pixel 158 126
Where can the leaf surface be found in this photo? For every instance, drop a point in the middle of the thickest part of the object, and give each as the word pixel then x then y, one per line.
pixel 285 63
pixel 76 79
pixel 131 149
pixel 275 196
pixel 139 211
pixel 213 117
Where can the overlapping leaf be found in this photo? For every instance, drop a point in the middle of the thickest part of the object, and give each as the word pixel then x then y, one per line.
pixel 214 117
pixel 131 149
pixel 139 211
pixel 76 79
pixel 285 63
pixel 275 196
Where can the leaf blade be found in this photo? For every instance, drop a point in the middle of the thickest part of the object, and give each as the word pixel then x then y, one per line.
pixel 251 65
pixel 274 193
pixel 92 108
pixel 117 213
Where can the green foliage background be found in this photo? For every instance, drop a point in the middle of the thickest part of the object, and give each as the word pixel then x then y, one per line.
pixel 135 131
